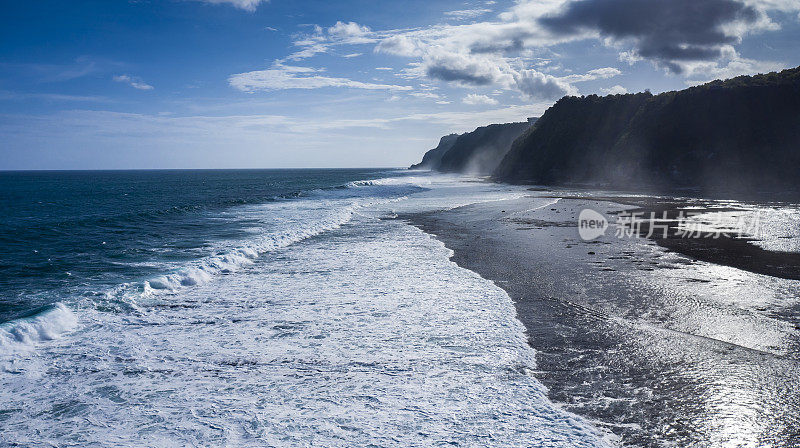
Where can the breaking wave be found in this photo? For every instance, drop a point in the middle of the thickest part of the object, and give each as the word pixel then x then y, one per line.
pixel 305 216
pixel 45 325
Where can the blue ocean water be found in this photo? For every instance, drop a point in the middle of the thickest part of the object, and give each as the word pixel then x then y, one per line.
pixel 76 234
pixel 256 308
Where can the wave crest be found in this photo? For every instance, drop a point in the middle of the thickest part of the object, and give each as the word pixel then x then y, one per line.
pixel 25 333
pixel 232 260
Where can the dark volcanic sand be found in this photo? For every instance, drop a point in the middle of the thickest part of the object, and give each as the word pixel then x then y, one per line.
pixel 724 249
pixel 657 347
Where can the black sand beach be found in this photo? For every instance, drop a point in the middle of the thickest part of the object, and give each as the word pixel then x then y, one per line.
pixel 660 347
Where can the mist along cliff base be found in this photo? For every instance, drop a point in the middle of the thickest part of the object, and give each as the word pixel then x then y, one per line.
pixel 738 136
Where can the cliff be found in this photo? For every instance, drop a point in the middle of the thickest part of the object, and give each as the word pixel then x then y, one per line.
pixel 432 158
pixel 480 151
pixel 476 152
pixel 739 134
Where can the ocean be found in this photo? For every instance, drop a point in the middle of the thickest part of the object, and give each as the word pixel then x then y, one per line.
pixel 257 308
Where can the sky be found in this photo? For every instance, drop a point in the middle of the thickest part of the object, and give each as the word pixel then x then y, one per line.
pixel 139 84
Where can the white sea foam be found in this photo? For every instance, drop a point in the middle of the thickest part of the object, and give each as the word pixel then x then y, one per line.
pixel 296 220
pixel 306 218
pixel 366 336
pixel 23 334
pixel 423 181
pixel 369 337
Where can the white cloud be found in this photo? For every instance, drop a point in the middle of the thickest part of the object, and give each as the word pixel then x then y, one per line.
pixel 503 51
pixel 352 55
pixel 453 121
pixel 283 77
pixel 733 66
pixel 14 96
pixel 473 53
pixel 591 75
pixel 384 68
pixel 350 32
pixel 778 5
pixel 134 82
pixel 491 53
pixel 400 45
pixel 247 5
pixel 465 55
pixel 538 85
pixel 320 40
pixel 465 14
pixel 425 95
pixel 475 99
pixel 616 90
pixel 92 123
pixel 308 51
pixel 629 56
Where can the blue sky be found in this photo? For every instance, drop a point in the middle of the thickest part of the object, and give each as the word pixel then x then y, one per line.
pixel 279 83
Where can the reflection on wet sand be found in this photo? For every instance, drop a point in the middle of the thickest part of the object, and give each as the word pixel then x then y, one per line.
pixel 659 347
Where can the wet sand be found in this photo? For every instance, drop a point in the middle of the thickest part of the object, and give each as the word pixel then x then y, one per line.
pixel 659 347
pixel 723 248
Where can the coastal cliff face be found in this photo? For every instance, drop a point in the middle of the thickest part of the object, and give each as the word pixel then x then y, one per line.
pixel 480 151
pixel 739 134
pixel 742 134
pixel 432 158
pixel 476 152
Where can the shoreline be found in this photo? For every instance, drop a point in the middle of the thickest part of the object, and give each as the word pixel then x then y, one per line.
pixel 722 249
pixel 648 343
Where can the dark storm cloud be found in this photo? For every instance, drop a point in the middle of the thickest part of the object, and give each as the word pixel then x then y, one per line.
pixel 667 31
pixel 512 45
pixel 465 75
